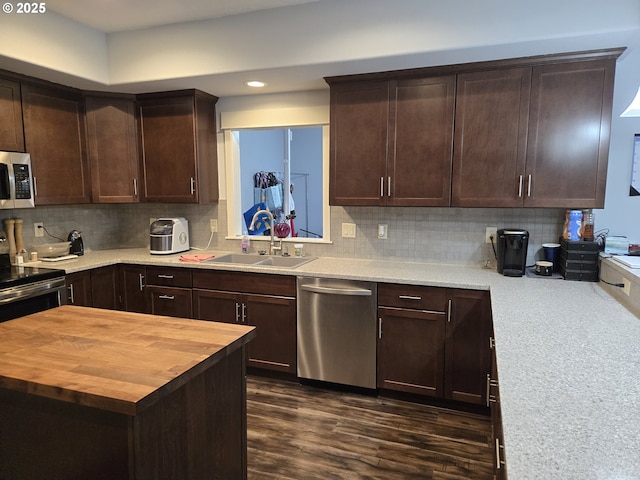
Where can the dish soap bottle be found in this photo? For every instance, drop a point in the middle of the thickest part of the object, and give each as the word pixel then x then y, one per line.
pixel 245 243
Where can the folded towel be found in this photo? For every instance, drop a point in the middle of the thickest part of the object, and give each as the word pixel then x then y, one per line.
pixel 195 257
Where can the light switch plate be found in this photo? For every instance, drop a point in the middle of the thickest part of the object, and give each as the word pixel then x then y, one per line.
pixel 213 224
pixel 382 231
pixel 349 230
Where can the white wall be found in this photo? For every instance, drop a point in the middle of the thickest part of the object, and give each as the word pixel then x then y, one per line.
pixel 621 214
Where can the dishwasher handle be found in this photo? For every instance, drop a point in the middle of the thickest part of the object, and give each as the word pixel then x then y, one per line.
pixel 361 292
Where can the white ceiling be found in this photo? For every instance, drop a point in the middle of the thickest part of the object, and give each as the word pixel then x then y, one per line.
pixel 119 15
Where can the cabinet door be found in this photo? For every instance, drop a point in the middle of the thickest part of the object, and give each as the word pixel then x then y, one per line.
pixel 132 288
pixel 55 137
pixel 218 306
pixel 274 347
pixel 420 142
pixel 170 301
pixel 411 351
pixel 104 292
pixel 467 347
pixel 569 127
pixel 359 117
pixel 490 143
pixel 113 149
pixel 179 149
pixel 79 289
pixel 11 129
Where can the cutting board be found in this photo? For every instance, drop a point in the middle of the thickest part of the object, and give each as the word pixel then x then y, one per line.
pixel 628 261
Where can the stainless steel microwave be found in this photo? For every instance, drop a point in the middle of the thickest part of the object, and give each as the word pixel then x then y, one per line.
pixel 16 181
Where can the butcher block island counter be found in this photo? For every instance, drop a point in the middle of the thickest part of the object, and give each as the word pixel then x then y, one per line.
pixel 98 394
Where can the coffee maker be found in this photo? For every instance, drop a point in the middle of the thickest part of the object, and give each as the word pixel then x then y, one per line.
pixel 512 251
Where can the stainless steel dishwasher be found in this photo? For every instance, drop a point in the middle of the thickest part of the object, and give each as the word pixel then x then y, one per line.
pixel 337 331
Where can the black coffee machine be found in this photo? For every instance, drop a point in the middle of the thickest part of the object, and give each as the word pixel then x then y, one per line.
pixel 77 245
pixel 512 251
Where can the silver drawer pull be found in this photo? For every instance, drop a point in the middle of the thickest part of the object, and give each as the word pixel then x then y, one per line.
pixel 167 297
pixel 409 297
pixel 170 277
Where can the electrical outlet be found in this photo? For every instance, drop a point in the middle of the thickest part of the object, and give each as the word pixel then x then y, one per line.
pixel 213 224
pixel 349 230
pixel 626 288
pixel 490 232
pixel 38 229
pixel 382 231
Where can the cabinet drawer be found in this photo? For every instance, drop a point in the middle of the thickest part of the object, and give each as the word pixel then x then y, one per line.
pixel 170 277
pixel 412 296
pixel 174 302
pixel 262 283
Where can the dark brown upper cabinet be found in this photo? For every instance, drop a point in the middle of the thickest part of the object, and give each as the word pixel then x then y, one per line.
pixel 113 148
pixel 492 114
pixel 391 142
pixel 529 132
pixel 569 126
pixel 54 133
pixel 179 149
pixel 11 128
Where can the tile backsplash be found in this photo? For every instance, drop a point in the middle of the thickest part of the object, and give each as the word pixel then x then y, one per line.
pixel 438 235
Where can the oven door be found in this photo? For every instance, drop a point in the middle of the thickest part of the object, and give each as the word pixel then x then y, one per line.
pixel 30 298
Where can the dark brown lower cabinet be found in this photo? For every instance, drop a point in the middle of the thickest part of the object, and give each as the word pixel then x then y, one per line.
pixel 261 300
pixel 434 342
pixel 79 288
pixel 132 293
pixel 93 288
pixel 170 301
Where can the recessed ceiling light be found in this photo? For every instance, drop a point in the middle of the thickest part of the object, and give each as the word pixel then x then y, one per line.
pixel 256 84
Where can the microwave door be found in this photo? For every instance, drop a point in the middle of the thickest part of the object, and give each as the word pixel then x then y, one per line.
pixel 5 187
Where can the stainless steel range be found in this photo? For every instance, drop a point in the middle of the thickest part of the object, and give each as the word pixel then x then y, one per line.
pixel 26 290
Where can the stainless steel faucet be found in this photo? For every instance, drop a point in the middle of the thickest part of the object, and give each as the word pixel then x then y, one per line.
pixel 272 245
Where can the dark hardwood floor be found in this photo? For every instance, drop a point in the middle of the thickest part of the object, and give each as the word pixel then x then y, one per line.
pixel 301 432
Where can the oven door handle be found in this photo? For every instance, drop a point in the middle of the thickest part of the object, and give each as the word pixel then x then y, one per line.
pixel 361 292
pixel 31 290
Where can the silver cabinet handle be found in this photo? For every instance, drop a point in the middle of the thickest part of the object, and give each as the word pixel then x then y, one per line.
pixel 141 281
pixel 244 313
pixel 237 312
pixel 388 186
pixel 499 462
pixel 71 294
pixel 409 297
pixel 363 292
pixel 382 186
pixel 162 275
pixel 379 327
pixel 135 187
pixel 520 186
pixel 167 297
pixel 193 186
pixel 449 311
pixel 488 388
pixel 529 187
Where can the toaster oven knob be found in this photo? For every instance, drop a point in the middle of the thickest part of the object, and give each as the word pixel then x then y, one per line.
pixel 183 237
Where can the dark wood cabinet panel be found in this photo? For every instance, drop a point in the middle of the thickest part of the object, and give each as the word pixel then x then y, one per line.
pixel 359 125
pixel 411 351
pixel 54 134
pixel 492 110
pixel 170 301
pixel 179 148
pixel 132 288
pixel 104 291
pixel 113 148
pixel 261 300
pixel 420 141
pixel 79 288
pixel 11 128
pixel 569 127
pixel 274 347
pixel 468 352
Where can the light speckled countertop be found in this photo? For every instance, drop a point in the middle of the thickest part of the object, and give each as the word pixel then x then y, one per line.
pixel 568 360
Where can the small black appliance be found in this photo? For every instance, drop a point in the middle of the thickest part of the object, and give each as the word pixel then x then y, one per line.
pixel 77 245
pixel 512 251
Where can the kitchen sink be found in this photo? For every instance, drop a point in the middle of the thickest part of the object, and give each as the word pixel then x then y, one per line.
pixel 262 260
